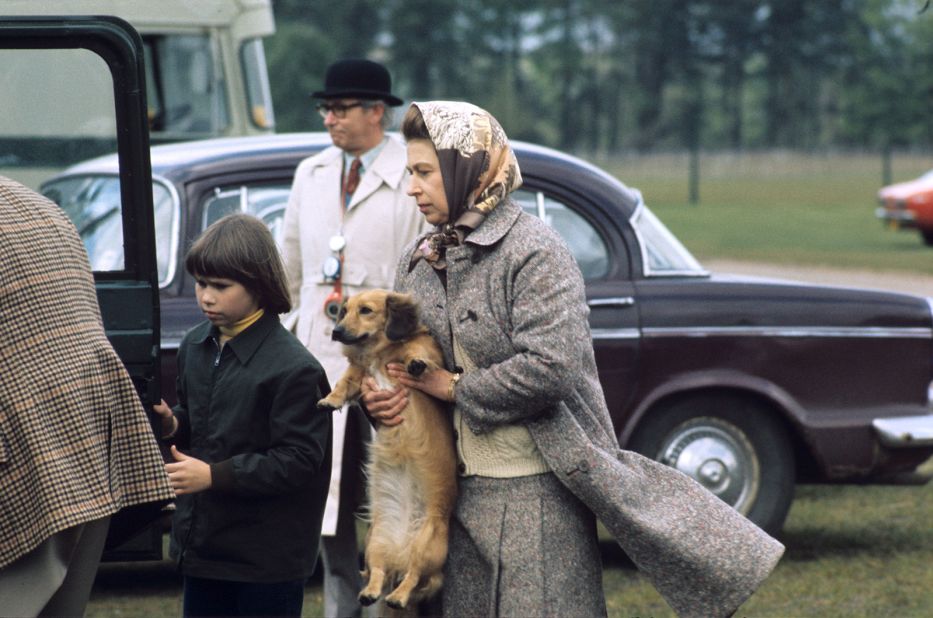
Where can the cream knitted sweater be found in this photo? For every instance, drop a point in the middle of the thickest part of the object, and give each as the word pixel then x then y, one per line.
pixel 505 452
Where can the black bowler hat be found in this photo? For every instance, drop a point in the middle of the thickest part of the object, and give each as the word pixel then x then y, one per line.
pixel 357 78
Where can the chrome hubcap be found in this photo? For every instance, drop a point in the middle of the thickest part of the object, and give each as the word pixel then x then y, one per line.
pixel 719 456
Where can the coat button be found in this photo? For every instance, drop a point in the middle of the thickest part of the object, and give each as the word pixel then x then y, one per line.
pixel 461 468
pixel 583 466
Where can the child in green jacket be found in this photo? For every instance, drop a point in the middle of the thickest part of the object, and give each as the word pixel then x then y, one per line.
pixel 251 450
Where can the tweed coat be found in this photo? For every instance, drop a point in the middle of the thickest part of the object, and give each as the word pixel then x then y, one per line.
pixel 379 220
pixel 75 444
pixel 515 300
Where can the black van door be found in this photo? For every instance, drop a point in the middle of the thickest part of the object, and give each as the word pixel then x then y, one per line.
pixel 43 60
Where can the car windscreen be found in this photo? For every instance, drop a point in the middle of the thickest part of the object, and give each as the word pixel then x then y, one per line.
pixel 92 202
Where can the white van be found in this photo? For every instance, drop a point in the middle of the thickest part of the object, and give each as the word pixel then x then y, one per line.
pixel 205 77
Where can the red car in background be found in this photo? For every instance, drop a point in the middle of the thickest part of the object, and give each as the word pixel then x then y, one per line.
pixel 909 205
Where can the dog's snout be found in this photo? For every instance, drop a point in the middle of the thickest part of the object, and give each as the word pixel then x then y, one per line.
pixel 347 337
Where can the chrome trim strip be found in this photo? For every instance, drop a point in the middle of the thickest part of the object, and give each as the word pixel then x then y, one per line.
pixel 791 331
pixel 894 215
pixel 764 331
pixel 615 333
pixel 618 301
pixel 176 224
pixel 905 431
pixel 539 202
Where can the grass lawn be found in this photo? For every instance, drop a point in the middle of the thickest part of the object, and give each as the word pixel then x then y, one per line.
pixel 781 208
pixel 851 551
pixel 854 551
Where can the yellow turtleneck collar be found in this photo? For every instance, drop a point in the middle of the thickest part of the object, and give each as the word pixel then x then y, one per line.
pixel 229 332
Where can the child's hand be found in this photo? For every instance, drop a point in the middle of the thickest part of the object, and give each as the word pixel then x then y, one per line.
pixel 188 475
pixel 168 418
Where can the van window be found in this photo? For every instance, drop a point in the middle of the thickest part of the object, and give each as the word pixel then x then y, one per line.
pixel 258 92
pixel 186 90
pixel 37 132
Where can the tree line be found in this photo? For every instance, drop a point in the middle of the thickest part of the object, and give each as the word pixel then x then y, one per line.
pixel 608 76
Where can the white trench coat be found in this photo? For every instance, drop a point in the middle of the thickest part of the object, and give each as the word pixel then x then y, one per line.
pixel 379 221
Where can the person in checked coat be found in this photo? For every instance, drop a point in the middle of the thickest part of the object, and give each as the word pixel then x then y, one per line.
pixel 538 457
pixel 75 443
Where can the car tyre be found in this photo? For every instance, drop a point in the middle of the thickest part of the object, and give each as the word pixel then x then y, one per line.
pixel 927 237
pixel 732 446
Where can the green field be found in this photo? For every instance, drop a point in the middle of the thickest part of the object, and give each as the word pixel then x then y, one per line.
pixel 781 208
pixel 851 551
pixel 854 551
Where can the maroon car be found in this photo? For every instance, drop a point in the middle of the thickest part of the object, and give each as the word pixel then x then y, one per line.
pixel 749 386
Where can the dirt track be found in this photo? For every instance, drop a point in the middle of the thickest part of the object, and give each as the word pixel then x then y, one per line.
pixel 921 285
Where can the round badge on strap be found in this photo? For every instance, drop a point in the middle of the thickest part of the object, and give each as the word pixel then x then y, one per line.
pixel 331 267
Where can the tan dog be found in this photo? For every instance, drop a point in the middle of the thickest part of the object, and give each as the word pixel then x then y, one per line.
pixel 412 482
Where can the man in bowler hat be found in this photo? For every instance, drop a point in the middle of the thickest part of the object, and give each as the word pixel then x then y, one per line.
pixel 347 220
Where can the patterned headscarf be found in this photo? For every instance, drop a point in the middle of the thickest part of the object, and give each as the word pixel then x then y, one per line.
pixel 477 165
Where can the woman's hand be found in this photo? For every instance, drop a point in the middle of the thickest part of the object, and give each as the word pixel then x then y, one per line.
pixel 435 382
pixel 188 475
pixel 383 405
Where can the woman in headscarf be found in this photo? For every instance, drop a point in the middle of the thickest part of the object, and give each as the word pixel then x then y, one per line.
pixel 538 457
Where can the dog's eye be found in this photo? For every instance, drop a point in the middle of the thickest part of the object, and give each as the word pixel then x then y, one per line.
pixel 365 310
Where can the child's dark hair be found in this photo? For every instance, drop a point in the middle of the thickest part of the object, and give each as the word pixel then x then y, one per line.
pixel 240 247
pixel 413 125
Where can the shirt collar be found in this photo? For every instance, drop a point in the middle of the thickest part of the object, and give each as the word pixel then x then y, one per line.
pixel 366 159
pixel 246 343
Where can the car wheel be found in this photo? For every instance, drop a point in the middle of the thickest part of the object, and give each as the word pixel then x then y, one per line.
pixel 927 237
pixel 731 446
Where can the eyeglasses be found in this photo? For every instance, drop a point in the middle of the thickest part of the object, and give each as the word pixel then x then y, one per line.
pixel 339 110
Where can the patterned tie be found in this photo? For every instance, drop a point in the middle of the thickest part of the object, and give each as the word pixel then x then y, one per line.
pixel 352 181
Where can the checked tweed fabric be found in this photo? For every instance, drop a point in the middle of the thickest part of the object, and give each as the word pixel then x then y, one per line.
pixel 75 444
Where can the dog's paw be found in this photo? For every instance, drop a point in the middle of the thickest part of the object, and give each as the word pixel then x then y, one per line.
pixel 416 367
pixel 327 405
pixel 367 599
pixel 395 603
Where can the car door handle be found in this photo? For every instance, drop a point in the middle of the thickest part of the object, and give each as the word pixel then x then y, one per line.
pixel 618 301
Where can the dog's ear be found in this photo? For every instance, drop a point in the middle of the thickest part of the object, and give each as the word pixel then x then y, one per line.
pixel 401 316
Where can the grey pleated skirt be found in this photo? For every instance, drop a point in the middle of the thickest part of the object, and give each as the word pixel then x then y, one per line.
pixel 522 547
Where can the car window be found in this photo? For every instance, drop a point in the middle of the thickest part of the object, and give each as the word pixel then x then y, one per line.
pixel 92 202
pixel 265 201
pixel 585 242
pixel 662 253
